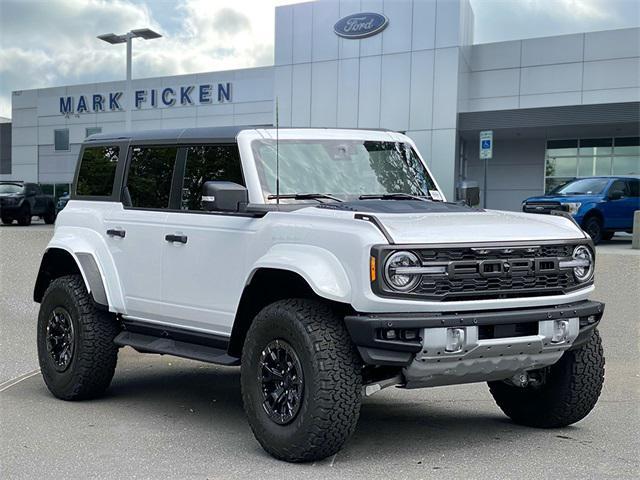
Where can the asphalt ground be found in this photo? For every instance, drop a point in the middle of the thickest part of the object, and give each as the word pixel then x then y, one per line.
pixel 165 417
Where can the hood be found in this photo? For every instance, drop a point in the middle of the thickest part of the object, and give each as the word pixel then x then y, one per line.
pixel 477 226
pixel 437 222
pixel 564 198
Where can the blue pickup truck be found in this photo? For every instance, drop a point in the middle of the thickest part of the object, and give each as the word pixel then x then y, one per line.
pixel 602 206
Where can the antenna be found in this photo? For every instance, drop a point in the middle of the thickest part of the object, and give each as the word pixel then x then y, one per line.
pixel 277 157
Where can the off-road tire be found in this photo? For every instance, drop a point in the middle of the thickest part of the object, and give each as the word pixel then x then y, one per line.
pixel 570 392
pixel 593 226
pixel 94 355
pixel 50 217
pixel 331 366
pixel 24 219
pixel 7 220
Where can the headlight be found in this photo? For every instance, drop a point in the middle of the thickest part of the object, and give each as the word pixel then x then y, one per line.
pixel 583 261
pixel 571 207
pixel 395 273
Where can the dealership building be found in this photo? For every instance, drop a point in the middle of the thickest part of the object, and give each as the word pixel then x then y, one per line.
pixel 558 107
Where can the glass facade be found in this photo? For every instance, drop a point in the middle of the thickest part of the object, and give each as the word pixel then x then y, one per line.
pixel 588 157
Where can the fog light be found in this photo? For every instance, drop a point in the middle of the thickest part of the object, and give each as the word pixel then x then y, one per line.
pixel 390 334
pixel 455 339
pixel 560 331
pixel 409 334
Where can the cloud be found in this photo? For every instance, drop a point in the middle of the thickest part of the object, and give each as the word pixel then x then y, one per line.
pixel 52 43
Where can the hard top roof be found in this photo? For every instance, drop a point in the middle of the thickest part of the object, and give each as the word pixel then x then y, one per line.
pixel 190 135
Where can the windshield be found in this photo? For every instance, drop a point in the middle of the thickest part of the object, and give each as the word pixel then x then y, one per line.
pixel 584 186
pixel 10 188
pixel 342 168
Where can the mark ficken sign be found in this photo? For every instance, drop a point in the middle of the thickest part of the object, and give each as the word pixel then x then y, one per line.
pixel 205 94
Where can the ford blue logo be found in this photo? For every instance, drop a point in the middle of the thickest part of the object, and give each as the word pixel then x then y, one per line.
pixel 360 25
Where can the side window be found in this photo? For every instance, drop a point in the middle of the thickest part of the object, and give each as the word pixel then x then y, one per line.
pixel 97 171
pixel 620 185
pixel 634 188
pixel 205 163
pixel 150 174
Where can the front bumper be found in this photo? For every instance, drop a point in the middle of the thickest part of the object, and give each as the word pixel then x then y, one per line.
pixel 496 344
pixel 10 209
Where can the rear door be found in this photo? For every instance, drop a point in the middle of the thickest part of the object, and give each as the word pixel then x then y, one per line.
pixel 134 228
pixel 202 278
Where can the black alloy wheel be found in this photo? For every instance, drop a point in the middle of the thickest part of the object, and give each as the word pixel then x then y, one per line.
pixel 282 381
pixel 60 338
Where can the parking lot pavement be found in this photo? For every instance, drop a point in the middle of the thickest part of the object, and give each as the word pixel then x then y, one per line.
pixel 165 417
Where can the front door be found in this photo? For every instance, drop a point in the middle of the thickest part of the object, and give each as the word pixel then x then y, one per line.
pixel 204 260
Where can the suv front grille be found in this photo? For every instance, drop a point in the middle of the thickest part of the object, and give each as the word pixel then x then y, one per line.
pixel 478 272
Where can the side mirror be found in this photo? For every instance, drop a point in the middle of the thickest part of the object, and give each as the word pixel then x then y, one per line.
pixel 616 194
pixel 223 196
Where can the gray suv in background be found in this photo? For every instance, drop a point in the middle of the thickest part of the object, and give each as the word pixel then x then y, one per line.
pixel 22 200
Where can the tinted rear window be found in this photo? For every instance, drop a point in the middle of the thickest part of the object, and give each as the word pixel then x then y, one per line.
pixel 97 171
pixel 150 175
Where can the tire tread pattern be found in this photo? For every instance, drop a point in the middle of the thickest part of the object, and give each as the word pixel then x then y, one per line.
pixel 572 390
pixel 95 354
pixel 335 406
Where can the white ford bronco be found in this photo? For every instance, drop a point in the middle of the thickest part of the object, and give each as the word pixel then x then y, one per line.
pixel 327 264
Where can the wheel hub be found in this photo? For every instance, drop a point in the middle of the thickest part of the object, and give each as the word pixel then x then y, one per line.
pixel 282 385
pixel 60 338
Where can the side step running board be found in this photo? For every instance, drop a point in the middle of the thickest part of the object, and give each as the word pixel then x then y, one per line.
pixel 167 346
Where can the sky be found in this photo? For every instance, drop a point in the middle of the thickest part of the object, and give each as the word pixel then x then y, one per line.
pixel 46 43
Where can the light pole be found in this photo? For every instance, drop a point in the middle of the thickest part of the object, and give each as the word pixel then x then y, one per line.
pixel 127 38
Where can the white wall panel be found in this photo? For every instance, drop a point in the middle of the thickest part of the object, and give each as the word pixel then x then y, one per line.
pixel 443 164
pixel 395 91
pixel 301 95
pixel 283 43
pixel 445 88
pixel 369 93
pixel 348 48
pixel 622 73
pixel 553 78
pixel 24 117
pixel 612 44
pixel 447 24
pixel 324 94
pixel 550 99
pixel 23 155
pixel 492 103
pixel 422 139
pixel 494 83
pixel 611 96
pixel 424 24
pixel 25 172
pixel 348 92
pixel 24 136
pixel 24 98
pixel 282 93
pixel 397 35
pixel 371 45
pixel 548 50
pixel 302 18
pixel 421 104
pixel 215 121
pixel 325 41
pixel 493 56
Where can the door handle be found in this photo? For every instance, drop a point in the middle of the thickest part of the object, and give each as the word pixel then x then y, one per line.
pixel 112 232
pixel 176 238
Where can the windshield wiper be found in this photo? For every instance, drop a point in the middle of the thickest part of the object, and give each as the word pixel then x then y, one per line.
pixel 394 196
pixel 304 196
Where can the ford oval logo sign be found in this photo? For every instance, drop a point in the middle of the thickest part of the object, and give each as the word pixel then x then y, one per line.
pixel 360 25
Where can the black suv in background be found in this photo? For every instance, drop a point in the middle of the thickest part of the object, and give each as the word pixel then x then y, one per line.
pixel 22 200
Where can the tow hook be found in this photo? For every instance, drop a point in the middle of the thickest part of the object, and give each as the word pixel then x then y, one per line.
pixel 371 388
pixel 520 379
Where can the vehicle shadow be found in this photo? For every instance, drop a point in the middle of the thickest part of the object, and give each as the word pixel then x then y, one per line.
pixel 211 397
